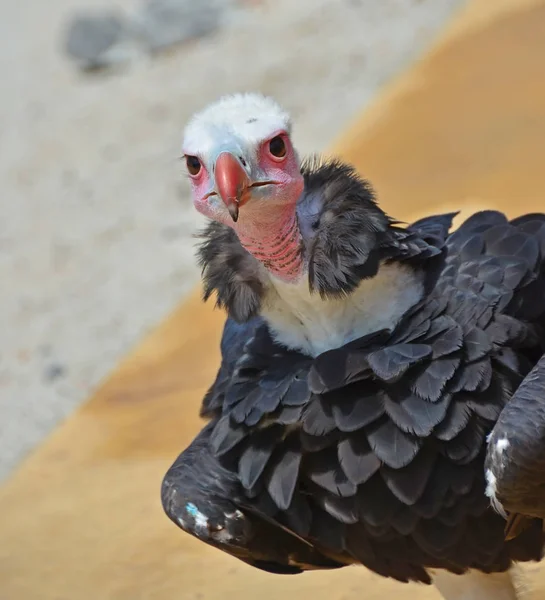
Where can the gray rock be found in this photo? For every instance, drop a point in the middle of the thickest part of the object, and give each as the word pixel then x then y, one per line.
pixel 91 39
pixel 54 371
pixel 164 23
pixel 90 35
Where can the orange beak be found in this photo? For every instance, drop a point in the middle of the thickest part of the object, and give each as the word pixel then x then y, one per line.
pixel 232 181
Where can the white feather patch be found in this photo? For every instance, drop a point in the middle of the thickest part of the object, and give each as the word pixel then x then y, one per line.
pixel 303 321
pixel 249 118
pixel 502 445
pixel 492 474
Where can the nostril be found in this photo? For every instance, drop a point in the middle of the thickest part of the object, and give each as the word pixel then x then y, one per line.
pixel 242 161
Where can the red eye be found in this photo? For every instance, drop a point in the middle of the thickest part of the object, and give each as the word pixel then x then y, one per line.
pixel 193 165
pixel 277 147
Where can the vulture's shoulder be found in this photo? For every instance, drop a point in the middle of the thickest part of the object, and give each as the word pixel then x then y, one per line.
pixel 347 235
pixel 495 271
pixel 515 460
pixel 378 447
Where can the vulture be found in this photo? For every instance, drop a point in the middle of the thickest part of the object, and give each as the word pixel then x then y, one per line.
pixel 364 364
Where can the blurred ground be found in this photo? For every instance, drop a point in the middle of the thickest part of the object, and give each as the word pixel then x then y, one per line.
pixel 95 219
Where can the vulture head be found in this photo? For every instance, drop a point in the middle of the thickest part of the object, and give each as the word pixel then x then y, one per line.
pixel 246 174
pixel 302 244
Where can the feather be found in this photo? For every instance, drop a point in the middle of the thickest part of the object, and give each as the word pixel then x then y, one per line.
pixel 348 230
pixel 391 445
pixel 457 417
pixel 414 415
pixel 513 245
pixel 436 494
pixel 342 509
pixel 437 226
pixel 404 521
pixel 432 380
pixel 336 368
pixel 475 375
pixel 449 338
pixel 329 533
pixel 226 435
pixel 317 417
pixel 298 393
pixel 390 362
pixel 283 478
pixel 244 407
pixel 289 415
pixel 315 443
pixel 376 504
pixel 229 271
pixel 490 271
pixel 357 544
pixel 436 537
pixel 254 458
pixel 472 246
pixel 324 470
pixel 476 344
pixel 515 272
pixel 357 459
pixel 353 411
pixel 467 444
pixel 408 484
pixel 298 516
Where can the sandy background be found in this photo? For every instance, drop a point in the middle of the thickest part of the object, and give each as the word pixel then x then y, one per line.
pixel 95 217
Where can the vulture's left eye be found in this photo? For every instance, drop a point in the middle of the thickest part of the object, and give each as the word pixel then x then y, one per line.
pixel 277 146
pixel 193 165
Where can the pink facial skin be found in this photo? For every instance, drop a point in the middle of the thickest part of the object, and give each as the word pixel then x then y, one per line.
pixel 265 209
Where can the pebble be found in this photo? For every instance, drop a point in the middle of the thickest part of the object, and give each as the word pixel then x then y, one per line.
pixel 91 37
pixel 164 23
pixel 54 371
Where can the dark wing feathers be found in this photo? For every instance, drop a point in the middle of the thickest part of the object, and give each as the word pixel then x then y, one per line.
pixel 389 363
pixel 413 414
pixel 392 446
pixel 226 435
pixel 256 454
pixel 357 459
pixel 197 480
pixel 283 476
pixel 357 409
pixel 515 454
pixel 324 470
pixel 386 445
pixel 317 418
pixel 409 484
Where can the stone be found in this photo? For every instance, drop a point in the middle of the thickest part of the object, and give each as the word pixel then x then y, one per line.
pixel 164 23
pixel 93 39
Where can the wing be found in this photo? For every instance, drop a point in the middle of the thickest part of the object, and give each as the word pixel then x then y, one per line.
pixel 376 449
pixel 515 460
pixel 207 501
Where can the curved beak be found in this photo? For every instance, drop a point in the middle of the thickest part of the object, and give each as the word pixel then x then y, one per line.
pixel 232 182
